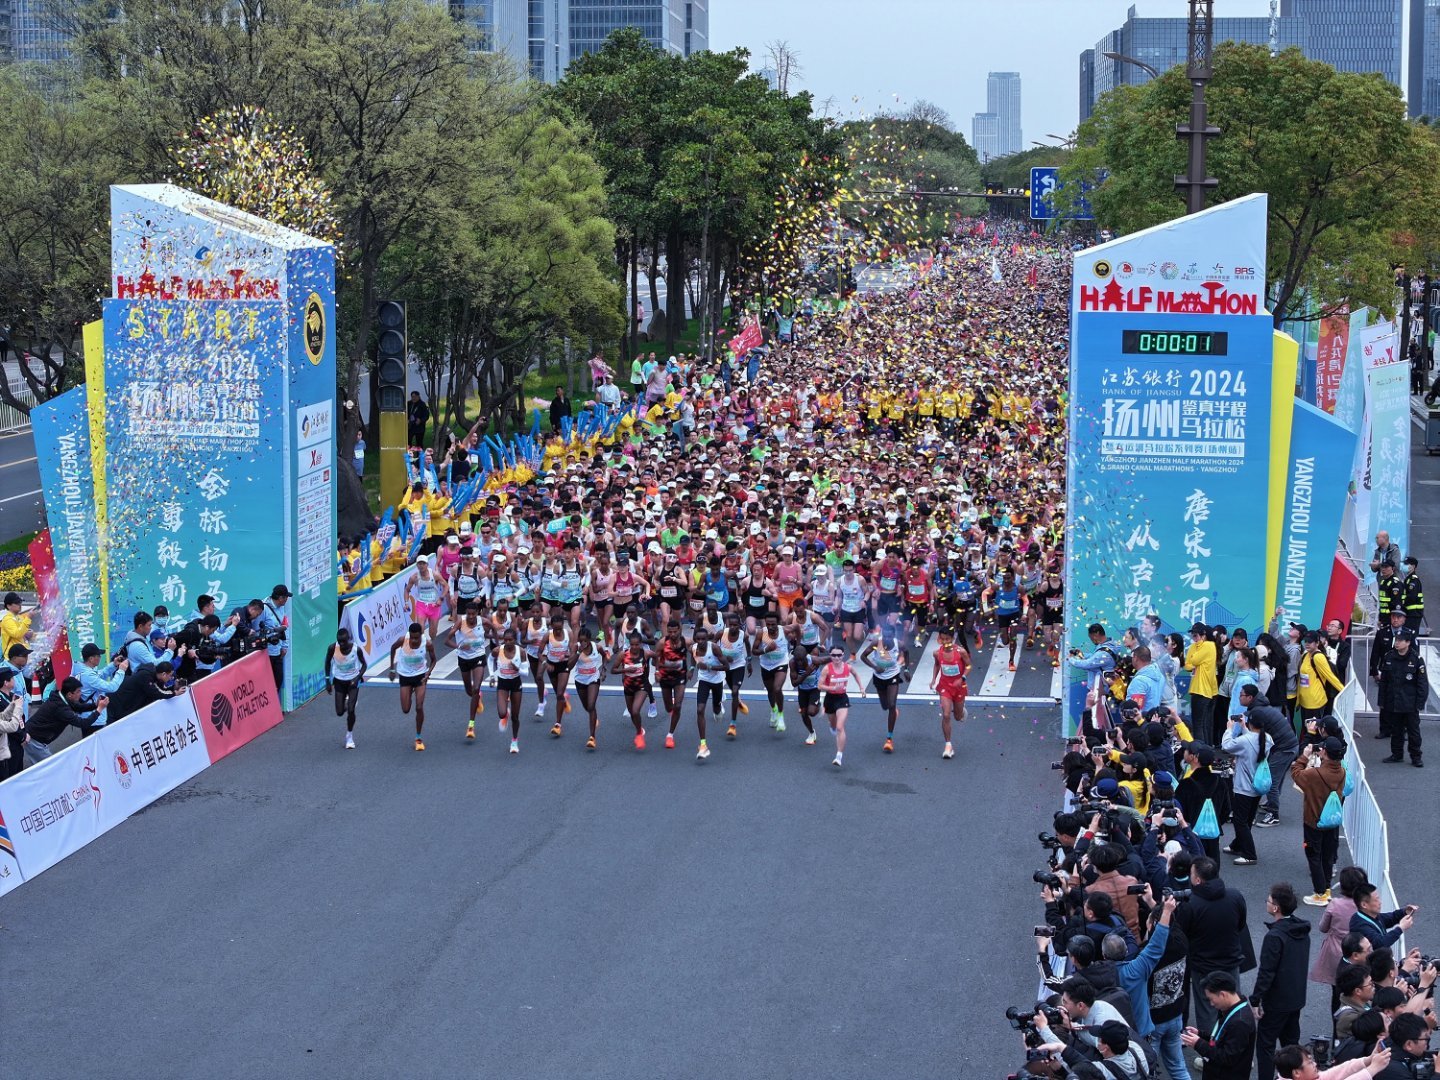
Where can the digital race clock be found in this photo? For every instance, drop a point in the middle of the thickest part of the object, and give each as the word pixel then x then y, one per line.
pixel 1175 342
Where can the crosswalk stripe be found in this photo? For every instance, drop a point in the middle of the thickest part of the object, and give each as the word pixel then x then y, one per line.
pixel 1056 683
pixel 999 679
pixel 925 668
pixel 759 692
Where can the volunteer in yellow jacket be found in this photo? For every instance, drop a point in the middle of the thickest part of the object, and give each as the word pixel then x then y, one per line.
pixel 1315 675
pixel 14 624
pixel 1200 661
pixel 1318 773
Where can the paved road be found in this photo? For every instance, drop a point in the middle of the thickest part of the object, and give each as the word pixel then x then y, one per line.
pixel 304 910
pixel 21 510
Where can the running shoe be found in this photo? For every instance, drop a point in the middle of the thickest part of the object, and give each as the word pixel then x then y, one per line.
pixel 514 747
pixel 540 710
pixel 349 740
pixel 810 739
pixel 731 732
pixel 889 746
pixel 1242 861
pixel 555 731
pixel 651 711
pixel 780 724
pixel 703 753
pixel 640 739
pixel 1318 899
pixel 419 743
pixel 590 743
pixel 772 718
pixel 744 709
pixel 1054 661
pixel 669 742
pixel 1012 665
pixel 567 702
pixel 948 752
pixel 479 702
pixel 504 723
pixel 470 731
pixel 838 761
pixel 979 640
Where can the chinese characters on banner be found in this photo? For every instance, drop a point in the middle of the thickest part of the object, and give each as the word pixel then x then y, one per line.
pixel 195 447
pixel 1330 360
pixel 1171 391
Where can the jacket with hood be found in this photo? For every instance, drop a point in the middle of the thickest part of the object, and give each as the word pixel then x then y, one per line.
pixel 1284 957
pixel 1214 921
pixel 1316 784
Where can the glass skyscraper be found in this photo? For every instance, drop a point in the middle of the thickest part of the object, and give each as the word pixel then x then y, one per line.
pixel 1353 35
pixel 1002 97
pixel 677 26
pixel 26 34
pixel 1424 89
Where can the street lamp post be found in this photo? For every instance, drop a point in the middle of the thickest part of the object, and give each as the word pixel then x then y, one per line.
pixel 1194 185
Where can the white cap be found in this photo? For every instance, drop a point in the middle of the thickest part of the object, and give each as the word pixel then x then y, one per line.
pixel 711 534
pixel 653 548
pixel 466 529
pixel 523 549
pixel 733 478
pixel 709 474
pixel 498 557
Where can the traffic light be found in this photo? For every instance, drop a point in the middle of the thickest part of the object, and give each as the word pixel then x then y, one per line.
pixel 392 354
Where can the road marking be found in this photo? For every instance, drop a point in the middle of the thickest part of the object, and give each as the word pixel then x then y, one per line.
pixel 381 663
pixel 1432 668
pixel 999 679
pixel 925 667
pixel 758 692
pixel 22 461
pixel 1056 683
pixel 22 495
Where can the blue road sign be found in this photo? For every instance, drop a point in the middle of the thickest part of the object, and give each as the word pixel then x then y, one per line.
pixel 1045 196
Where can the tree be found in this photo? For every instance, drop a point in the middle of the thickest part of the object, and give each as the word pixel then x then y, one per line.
pixel 60 155
pixel 785 62
pixel 1349 178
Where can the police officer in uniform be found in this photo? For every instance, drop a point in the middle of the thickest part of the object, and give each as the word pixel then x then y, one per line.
pixel 1390 590
pixel 1380 648
pixel 1412 595
pixel 1403 689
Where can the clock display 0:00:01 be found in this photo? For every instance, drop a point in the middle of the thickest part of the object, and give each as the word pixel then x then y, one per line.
pixel 1175 342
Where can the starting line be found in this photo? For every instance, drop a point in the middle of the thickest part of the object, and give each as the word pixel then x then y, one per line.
pixel 973 701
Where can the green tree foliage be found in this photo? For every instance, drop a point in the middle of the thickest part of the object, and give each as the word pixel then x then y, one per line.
pixel 1013 170
pixel 1350 180
pixel 696 154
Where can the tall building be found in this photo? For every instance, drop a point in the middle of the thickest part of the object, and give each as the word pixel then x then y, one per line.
pixel 1423 93
pixel 27 35
pixel 1162 43
pixel 678 26
pixel 1353 35
pixel 1002 97
pixel 1087 84
pixel 985 135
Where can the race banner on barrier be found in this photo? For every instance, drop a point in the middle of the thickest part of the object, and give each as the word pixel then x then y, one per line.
pixel 1171 394
pixel 236 704
pixel 1321 450
pixel 146 755
pixel 52 809
pixel 1387 389
pixel 378 619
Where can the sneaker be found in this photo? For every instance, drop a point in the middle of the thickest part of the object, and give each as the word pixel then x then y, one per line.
pixel 744 709
pixel 1227 851
pixel 669 742
pixel 540 709
pixel 349 740
pixel 514 747
pixel 470 731
pixel 838 761
pixel 567 702
pixel 889 746
pixel 780 725
pixel 1393 759
pixel 590 743
pixel 479 702
pixel 504 723
pixel 1012 665
pixel 640 739
pixel 979 640
pixel 772 717
pixel 1318 899
pixel 810 739
pixel 1266 820
pixel 555 731
pixel 1419 763
pixel 419 743
pixel 731 732
pixel 1242 861
pixel 1381 735
pixel 650 712
pixel 948 752
pixel 702 753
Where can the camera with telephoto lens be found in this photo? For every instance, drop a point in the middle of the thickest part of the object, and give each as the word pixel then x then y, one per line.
pixel 1049 841
pixel 1319 1047
pixel 1424 1069
pixel 1180 895
pixel 1045 877
pixel 1023 1020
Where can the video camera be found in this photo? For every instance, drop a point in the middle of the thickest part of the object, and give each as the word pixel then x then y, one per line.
pixel 1023 1020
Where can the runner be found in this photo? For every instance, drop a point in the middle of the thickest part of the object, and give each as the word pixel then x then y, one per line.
pixel 952 666
pixel 535 631
pixel 634 662
pixel 1050 599
pixel 888 658
pixel 590 661
pixel 736 650
pixel 710 669
pixel 633 622
pixel 917 598
pixel 469 640
pixel 834 685
pixel 671 586
pixel 772 647
pixel 1010 605
pixel 674 670
pixel 344 672
pixel 425 597
pixel 505 669
pixel 556 657
pixel 805 668
pixel 411 660
pixel 854 593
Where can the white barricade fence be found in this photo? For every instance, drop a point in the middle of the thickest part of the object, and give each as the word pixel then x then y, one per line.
pixel 378 619
pixel 1366 833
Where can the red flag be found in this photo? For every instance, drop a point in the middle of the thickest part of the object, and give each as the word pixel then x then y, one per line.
pixel 52 609
pixel 1034 276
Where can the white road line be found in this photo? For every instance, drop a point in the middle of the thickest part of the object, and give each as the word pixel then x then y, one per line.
pixel 22 461
pixel 924 668
pixel 22 495
pixel 758 692
pixel 998 677
pixel 1057 683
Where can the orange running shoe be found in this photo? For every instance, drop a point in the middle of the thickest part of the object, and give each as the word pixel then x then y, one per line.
pixel 889 746
pixel 640 739
pixel 744 709
pixel 1012 665
pixel 555 731
pixel 419 743
pixel 732 732
pixel 669 742
pixel 590 743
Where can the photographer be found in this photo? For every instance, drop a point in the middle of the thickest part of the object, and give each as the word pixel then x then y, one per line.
pixel 1214 920
pixel 1081 1016
pixel 1382 929
pixel 144 685
pixel 1409 1038
pixel 212 638
pixel 1202 785
pixel 97 682
pixel 273 626
pixel 52 716
pixel 1297 1063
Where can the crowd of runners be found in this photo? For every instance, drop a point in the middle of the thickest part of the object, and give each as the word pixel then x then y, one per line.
pixel 869 478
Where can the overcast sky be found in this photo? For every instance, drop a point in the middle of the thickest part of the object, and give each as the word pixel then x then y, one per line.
pixel 868 55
